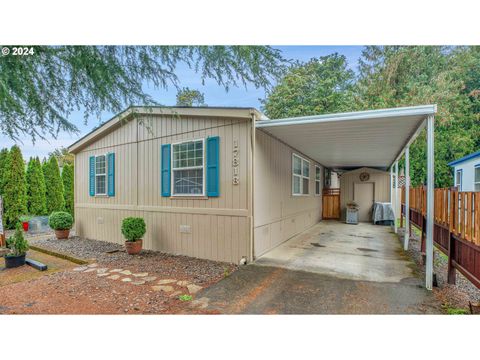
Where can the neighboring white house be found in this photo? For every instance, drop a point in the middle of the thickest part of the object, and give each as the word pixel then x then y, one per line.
pixel 467 172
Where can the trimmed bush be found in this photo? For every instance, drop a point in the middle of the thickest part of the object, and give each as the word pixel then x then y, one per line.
pixel 133 228
pixel 54 186
pixel 60 220
pixel 17 243
pixel 67 179
pixel 3 160
pixel 14 187
pixel 36 201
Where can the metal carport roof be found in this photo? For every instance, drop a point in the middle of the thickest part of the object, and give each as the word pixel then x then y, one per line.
pixel 374 138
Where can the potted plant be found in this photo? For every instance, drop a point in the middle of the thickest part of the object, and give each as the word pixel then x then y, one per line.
pixel 61 222
pixel 18 248
pixel 133 228
pixel 25 219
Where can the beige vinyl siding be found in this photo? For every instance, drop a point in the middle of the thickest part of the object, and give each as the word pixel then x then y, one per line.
pixel 219 226
pixel 380 179
pixel 278 215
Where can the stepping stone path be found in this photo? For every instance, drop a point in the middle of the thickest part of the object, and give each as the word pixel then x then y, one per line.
pixel 168 286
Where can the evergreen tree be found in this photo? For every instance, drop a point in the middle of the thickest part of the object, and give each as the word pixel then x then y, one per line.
pixel 3 159
pixel 14 188
pixel 54 186
pixel 36 200
pixel 67 178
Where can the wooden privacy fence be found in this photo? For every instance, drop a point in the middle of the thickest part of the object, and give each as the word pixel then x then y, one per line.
pixel 456 227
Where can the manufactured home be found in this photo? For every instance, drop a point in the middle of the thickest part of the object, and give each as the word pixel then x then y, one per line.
pixel 466 172
pixel 229 184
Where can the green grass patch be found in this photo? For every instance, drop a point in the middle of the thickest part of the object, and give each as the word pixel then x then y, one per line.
pixel 454 311
pixel 185 297
pixel 59 255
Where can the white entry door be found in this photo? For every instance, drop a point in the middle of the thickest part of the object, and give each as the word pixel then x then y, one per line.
pixel 363 194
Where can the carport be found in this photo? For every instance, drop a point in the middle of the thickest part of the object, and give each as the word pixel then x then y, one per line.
pixel 375 138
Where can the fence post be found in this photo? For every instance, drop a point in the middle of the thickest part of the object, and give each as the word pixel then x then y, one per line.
pixel 451 273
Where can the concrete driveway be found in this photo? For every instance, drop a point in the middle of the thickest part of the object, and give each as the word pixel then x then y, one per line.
pixel 332 268
pixel 358 252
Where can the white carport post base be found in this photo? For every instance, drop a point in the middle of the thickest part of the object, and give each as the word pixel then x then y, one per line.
pixel 407 199
pixel 430 204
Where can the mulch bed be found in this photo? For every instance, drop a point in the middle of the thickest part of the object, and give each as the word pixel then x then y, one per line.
pixel 71 292
pixel 452 296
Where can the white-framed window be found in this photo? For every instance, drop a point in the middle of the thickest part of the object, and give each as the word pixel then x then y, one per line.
pixel 318 179
pixel 188 168
pixel 458 179
pixel 476 178
pixel 300 175
pixel 101 175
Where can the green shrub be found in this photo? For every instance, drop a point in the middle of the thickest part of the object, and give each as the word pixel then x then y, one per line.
pixel 60 220
pixel 133 228
pixel 36 200
pixel 17 243
pixel 67 179
pixel 54 186
pixel 14 187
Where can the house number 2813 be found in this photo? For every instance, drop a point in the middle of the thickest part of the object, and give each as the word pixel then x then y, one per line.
pixel 236 163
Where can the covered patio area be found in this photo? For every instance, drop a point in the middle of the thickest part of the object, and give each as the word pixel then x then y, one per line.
pixel 356 252
pixel 377 139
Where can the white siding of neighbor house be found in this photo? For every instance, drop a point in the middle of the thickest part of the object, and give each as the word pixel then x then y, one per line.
pixel 278 215
pixel 380 179
pixel 219 226
pixel 468 176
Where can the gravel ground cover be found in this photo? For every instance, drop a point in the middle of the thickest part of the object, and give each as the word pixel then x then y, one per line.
pixel 181 267
pixel 452 296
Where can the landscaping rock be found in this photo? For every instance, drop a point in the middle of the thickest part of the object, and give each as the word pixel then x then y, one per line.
pixel 103 274
pixel 116 270
pixel 175 293
pixel 80 268
pixel 183 283
pixel 165 288
pixel 126 279
pixel 92 265
pixel 193 289
pixel 126 272
pixel 138 282
pixel 166 281
pixel 201 303
pixel 149 278
pixel 140 274
pixel 114 277
pixel 102 270
pixel 90 270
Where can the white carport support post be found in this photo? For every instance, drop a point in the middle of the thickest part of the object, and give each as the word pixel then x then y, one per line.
pixel 430 190
pixel 396 198
pixel 407 198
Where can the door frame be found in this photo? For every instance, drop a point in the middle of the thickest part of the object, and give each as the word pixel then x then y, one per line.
pixel 365 182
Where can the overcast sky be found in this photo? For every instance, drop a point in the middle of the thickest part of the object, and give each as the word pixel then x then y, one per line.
pixel 214 96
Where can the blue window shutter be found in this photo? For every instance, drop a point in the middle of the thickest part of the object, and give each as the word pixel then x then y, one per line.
pixel 165 169
pixel 92 176
pixel 111 174
pixel 213 166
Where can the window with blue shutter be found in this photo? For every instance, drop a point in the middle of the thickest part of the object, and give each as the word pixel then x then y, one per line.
pixel 111 174
pixel 92 176
pixel 213 166
pixel 165 169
